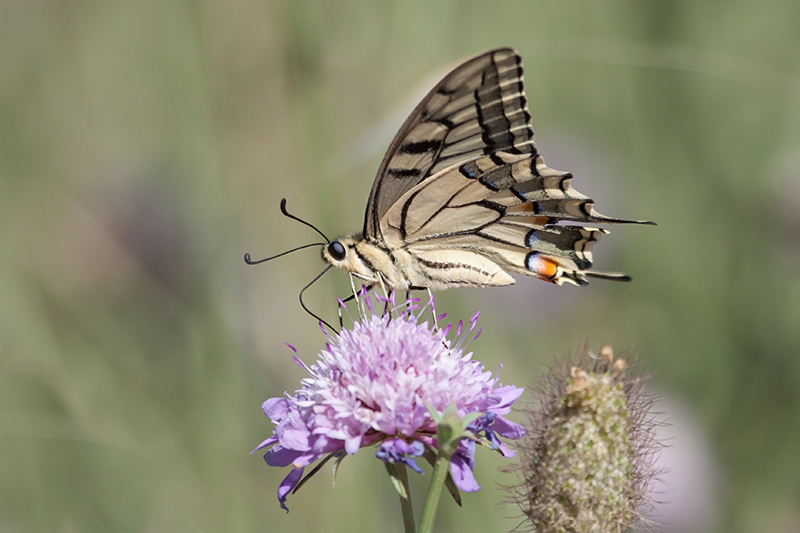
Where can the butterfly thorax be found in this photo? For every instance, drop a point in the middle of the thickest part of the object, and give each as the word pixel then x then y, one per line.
pixel 371 262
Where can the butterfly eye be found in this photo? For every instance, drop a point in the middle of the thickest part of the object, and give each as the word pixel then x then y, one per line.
pixel 336 250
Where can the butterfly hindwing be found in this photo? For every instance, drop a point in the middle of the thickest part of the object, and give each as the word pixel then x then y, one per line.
pixel 507 208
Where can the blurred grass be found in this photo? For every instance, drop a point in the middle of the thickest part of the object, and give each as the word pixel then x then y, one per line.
pixel 145 147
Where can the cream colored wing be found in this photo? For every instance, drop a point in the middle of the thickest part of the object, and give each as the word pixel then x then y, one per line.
pixel 477 109
pixel 503 210
pixel 462 196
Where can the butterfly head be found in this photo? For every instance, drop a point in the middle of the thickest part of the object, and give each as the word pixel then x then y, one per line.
pixel 343 253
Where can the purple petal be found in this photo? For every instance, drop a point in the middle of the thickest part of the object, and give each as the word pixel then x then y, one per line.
pixel 507 396
pixel 352 444
pixel 288 484
pixel 294 438
pixel 412 464
pixel 462 474
pixel 280 456
pixel 506 428
pixel 269 442
pixel 506 451
pixel 400 451
pixel 276 409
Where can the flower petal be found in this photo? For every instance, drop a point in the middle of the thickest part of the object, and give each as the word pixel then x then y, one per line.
pixel 508 429
pixel 294 438
pixel 462 474
pixel 287 485
pixel 276 409
pixel 269 442
pixel 507 395
pixel 280 456
pixel 352 444
pixel 400 451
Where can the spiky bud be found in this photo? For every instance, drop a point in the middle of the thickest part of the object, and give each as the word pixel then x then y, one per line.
pixel 587 461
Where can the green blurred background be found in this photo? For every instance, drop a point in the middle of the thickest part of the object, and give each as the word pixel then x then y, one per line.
pixel 144 147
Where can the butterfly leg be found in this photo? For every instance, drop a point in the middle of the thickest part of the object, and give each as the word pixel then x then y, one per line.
pixel 365 287
pixel 385 290
pixel 433 309
pixel 384 285
pixel 353 288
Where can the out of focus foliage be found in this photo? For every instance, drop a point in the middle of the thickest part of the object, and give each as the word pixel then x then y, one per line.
pixel 144 147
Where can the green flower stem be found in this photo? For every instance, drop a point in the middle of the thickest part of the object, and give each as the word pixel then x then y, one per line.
pixel 399 476
pixel 434 493
pixel 405 500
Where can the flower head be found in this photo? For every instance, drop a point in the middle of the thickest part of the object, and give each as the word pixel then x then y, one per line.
pixel 381 383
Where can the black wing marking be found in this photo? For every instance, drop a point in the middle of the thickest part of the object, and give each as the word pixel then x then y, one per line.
pixel 477 109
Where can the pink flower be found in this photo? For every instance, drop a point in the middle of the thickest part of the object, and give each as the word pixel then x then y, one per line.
pixel 374 385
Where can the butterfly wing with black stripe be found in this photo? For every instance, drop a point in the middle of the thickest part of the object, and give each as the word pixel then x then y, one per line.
pixel 477 109
pixel 465 192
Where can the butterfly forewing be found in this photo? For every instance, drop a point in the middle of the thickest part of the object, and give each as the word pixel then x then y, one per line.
pixel 477 109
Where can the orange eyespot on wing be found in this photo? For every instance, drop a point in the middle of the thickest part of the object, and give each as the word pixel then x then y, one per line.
pixel 544 267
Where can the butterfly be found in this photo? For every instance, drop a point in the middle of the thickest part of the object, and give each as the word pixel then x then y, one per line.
pixel 463 198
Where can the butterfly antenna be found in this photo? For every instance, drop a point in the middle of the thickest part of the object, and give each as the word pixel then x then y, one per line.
pixel 303 305
pixel 251 262
pixel 310 225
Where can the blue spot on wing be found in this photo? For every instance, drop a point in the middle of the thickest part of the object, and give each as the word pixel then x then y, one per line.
pixel 467 172
pixel 531 239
